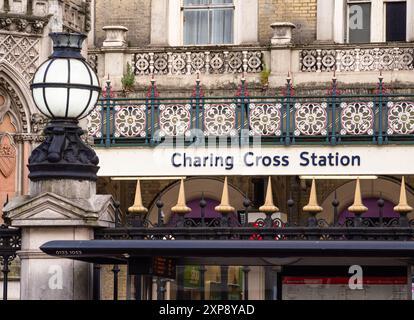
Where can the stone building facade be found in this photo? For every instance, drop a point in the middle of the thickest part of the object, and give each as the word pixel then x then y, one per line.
pixel 153 45
pixel 270 40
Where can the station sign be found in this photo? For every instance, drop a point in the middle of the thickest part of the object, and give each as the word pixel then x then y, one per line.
pixel 275 160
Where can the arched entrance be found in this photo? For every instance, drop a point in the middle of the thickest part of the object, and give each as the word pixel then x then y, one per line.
pixel 15 133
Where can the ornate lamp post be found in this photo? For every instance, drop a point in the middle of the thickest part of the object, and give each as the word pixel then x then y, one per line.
pixel 64 89
pixel 62 201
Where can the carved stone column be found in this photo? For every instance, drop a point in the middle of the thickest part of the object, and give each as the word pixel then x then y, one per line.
pixel 281 58
pixel 57 209
pixel 115 56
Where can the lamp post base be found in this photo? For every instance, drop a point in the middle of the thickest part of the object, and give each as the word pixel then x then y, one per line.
pixel 63 154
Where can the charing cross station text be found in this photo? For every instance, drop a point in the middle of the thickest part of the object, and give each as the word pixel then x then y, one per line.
pixel 251 159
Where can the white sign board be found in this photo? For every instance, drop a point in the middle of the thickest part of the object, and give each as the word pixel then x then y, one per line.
pixel 274 160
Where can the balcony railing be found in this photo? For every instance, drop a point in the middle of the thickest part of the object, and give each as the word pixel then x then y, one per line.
pixel 186 61
pixel 356 59
pixel 220 60
pixel 331 119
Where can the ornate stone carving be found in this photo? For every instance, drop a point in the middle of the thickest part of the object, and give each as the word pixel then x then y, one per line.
pixel 76 16
pixel 38 122
pixel 191 62
pixel 88 23
pixel 22 52
pixel 28 137
pixel 93 61
pixel 16 100
pixel 175 119
pixel 400 118
pixel 23 23
pixel 357 118
pixel 130 121
pixel 357 59
pixel 220 120
pixel 310 119
pixel 7 156
pixel 265 119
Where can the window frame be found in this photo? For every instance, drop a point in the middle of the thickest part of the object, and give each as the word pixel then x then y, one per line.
pixel 384 19
pixel 332 20
pixel 347 4
pixel 378 19
pixel 208 7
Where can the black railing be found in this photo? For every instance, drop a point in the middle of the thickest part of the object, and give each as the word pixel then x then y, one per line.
pixel 10 243
pixel 240 227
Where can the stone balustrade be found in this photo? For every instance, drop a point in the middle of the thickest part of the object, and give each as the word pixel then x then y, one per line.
pixel 184 61
pixel 219 64
pixel 357 59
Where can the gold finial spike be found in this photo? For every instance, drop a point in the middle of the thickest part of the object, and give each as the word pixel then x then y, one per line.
pixel 313 205
pixel 224 206
pixel 137 207
pixel 358 206
pixel 269 206
pixel 402 206
pixel 181 206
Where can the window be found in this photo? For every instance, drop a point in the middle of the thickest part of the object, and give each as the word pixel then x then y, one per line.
pixel 208 22
pixel 359 21
pixel 396 21
pixel 365 21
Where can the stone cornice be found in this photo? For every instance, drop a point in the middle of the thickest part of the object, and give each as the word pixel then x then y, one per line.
pixel 50 209
pixel 29 137
pixel 23 23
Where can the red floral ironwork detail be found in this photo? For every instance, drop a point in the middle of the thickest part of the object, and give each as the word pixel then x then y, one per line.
pixel 285 90
pixel 256 236
pixel 105 91
pixel 242 90
pixel 381 88
pixel 152 90
pixel 200 93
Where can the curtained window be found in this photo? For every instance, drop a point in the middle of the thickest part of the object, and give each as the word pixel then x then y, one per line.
pixel 208 22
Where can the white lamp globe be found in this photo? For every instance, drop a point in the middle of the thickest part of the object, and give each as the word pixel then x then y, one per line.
pixel 65 86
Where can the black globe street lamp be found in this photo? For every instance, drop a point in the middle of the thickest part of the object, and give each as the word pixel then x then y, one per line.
pixel 65 89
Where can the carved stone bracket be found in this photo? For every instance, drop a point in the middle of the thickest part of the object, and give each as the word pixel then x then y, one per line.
pixel 38 122
pixel 23 23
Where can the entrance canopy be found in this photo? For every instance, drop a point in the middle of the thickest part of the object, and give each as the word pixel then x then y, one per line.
pixel 242 252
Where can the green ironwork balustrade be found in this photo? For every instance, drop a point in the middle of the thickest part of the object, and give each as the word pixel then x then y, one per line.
pixel 332 119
